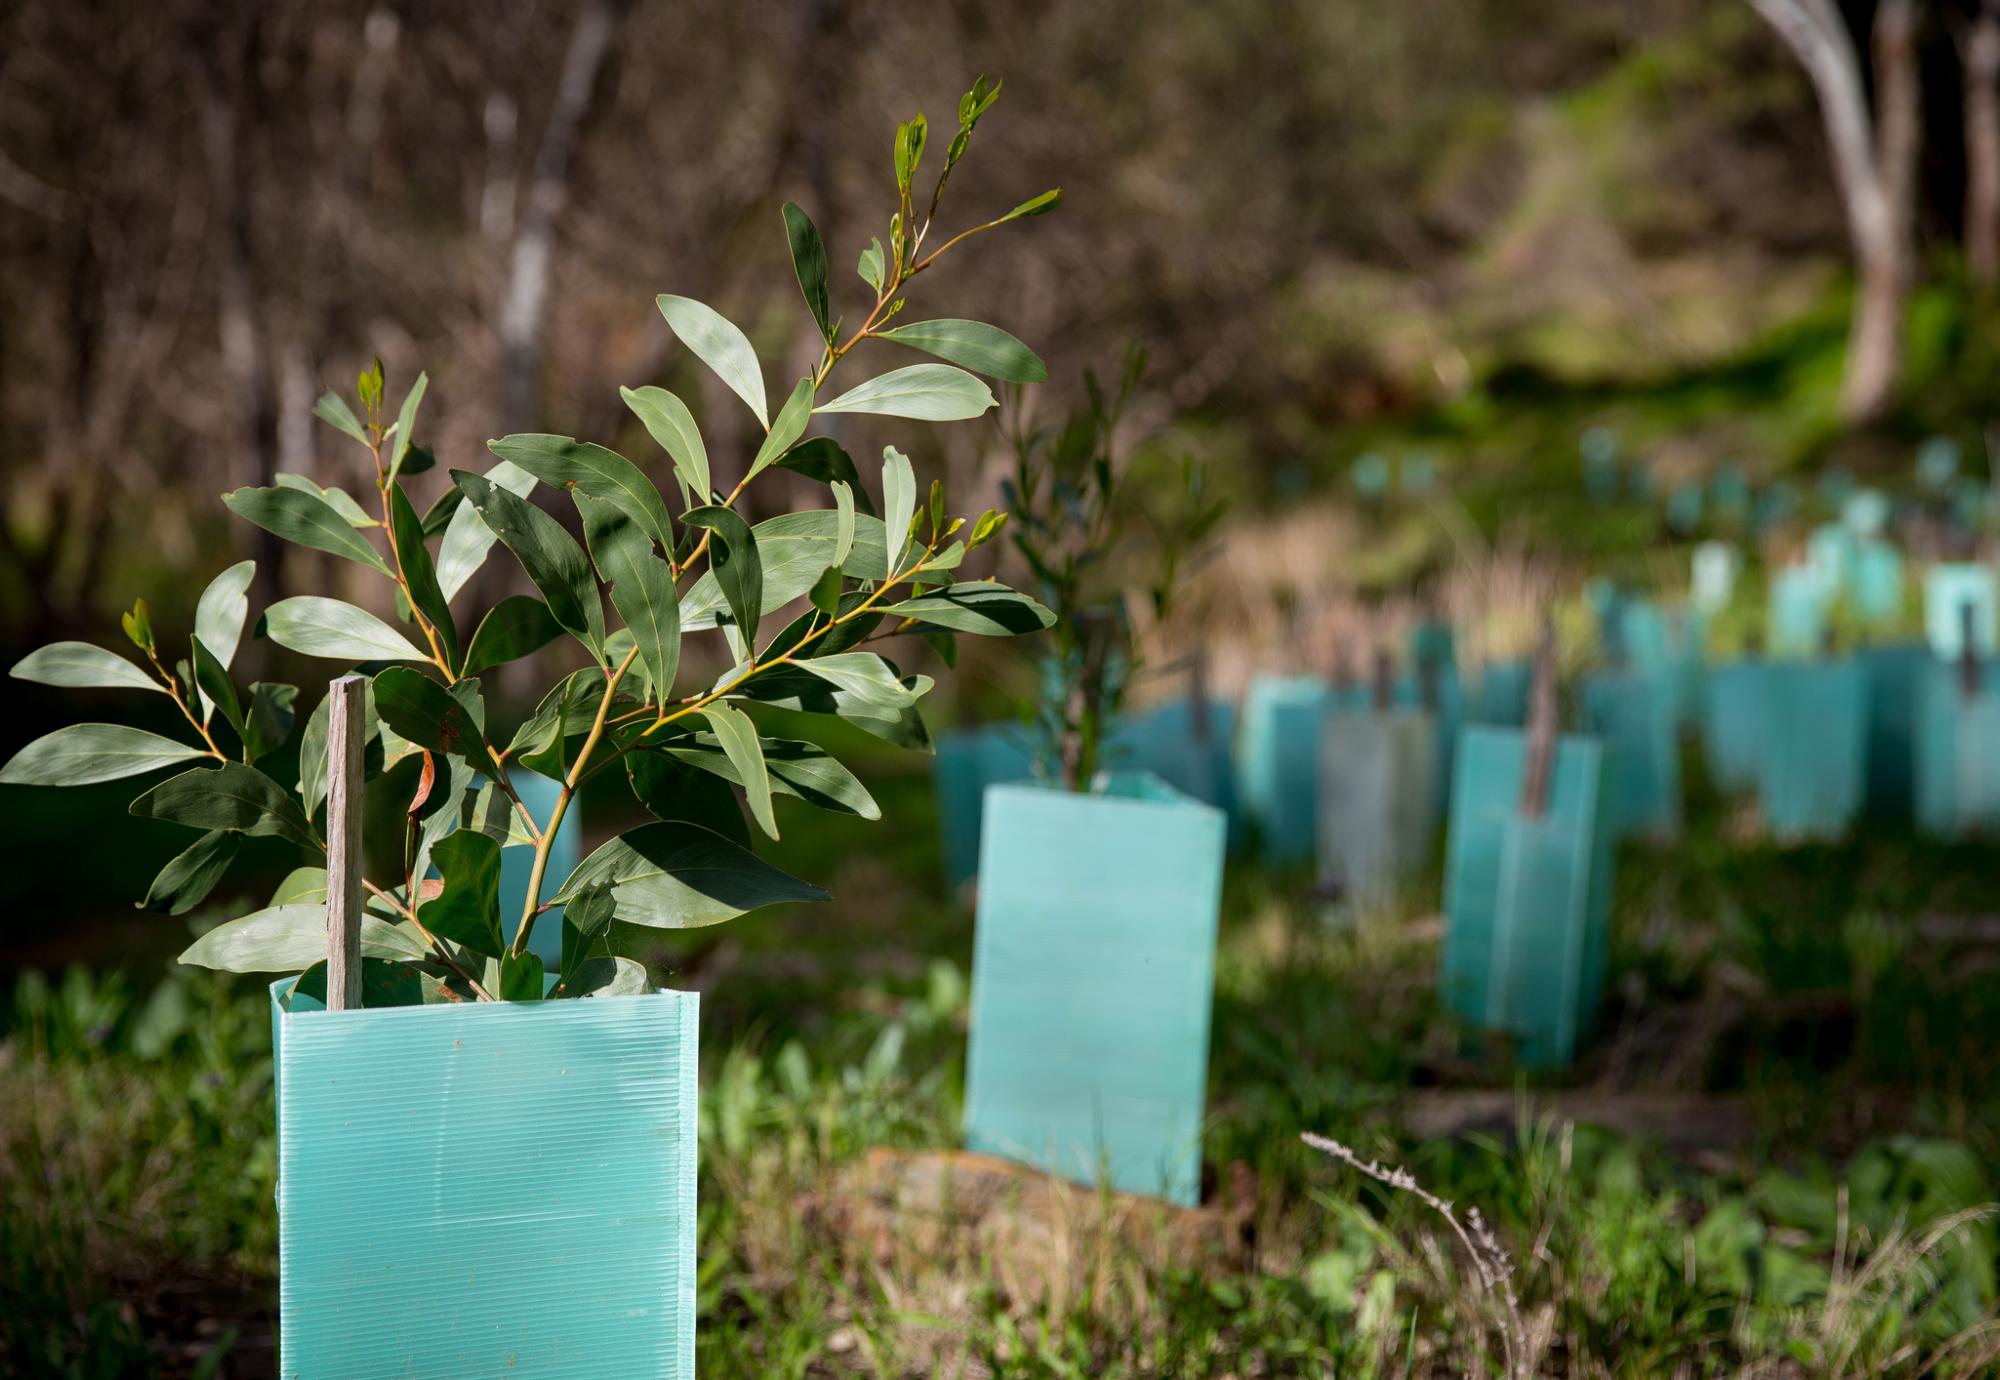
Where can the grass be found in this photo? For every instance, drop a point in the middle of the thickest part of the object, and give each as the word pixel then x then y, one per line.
pixel 1845 1232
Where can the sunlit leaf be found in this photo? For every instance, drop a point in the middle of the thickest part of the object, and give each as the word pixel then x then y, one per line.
pixel 925 392
pixel 717 342
pixel 306 519
pixel 81 666
pixel 85 754
pixel 314 625
pixel 979 347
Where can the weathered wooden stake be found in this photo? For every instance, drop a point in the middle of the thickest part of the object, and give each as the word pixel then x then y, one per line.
pixel 1541 745
pixel 1385 669
pixel 343 842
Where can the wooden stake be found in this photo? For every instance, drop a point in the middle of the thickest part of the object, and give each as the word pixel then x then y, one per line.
pixel 1384 671
pixel 1968 658
pixel 343 842
pixel 1539 770
pixel 1198 696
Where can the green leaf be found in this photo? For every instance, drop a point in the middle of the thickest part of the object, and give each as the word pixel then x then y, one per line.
pixel 314 625
pixel 138 625
pixel 721 346
pixel 822 458
pixel 85 754
pixel 792 549
pixel 981 607
pixel 467 538
pixel 925 392
pixel 550 555
pixel 291 939
pixel 899 505
pixel 419 573
pixel 605 975
pixel 232 796
pixel 186 881
pixel 312 748
pixel 736 565
pixel 300 884
pixel 217 688
pixel 541 743
pixel 437 517
pixel 588 469
pixel 334 411
pixel 405 420
pixel 790 425
pixel 873 265
pixel 909 150
pixel 738 737
pixel 466 909
pixel 792 687
pixel 843 523
pixel 307 520
pixel 864 676
pixel 81 666
pixel 796 768
pixel 669 422
pixel 808 263
pixel 989 525
pixel 267 722
pixel 979 347
pixel 221 611
pixel 1034 206
pixel 338 499
pixel 642 588
pixel 450 721
pixel 521 977
pixel 674 875
pixel 512 628
pixel 674 789
pixel 825 593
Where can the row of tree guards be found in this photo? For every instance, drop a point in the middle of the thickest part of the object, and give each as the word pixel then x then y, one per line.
pixel 1096 912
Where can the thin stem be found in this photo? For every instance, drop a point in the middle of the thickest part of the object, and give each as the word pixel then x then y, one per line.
pixel 409 913
pixel 531 902
pixel 173 689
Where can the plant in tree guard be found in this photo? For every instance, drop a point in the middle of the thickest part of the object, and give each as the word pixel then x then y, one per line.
pixel 1074 515
pixel 858 573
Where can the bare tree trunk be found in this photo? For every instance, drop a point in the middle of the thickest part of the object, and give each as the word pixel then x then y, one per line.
pixel 1874 161
pixel 1980 49
pixel 528 274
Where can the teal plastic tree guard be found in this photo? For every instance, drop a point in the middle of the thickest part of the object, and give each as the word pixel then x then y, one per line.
pixel 1632 717
pixel 1796 623
pixel 1501 697
pixel 1813 757
pixel 965 764
pixel 1876 583
pixel 492 1188
pixel 1377 800
pixel 1277 763
pixel 1895 681
pixel 1445 717
pixel 1093 971
pixel 539 793
pixel 1958 752
pixel 1731 725
pixel 1184 743
pixel 1527 901
pixel 1712 576
pixel 1830 553
pixel 1948 589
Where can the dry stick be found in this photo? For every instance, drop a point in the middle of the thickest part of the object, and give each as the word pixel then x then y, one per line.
pixel 343 843
pixel 1540 768
pixel 1492 1266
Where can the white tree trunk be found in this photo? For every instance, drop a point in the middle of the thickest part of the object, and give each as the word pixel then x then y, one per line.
pixel 1874 162
pixel 1981 51
pixel 528 275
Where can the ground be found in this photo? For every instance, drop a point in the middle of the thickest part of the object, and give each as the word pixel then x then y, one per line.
pixel 1775 1158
